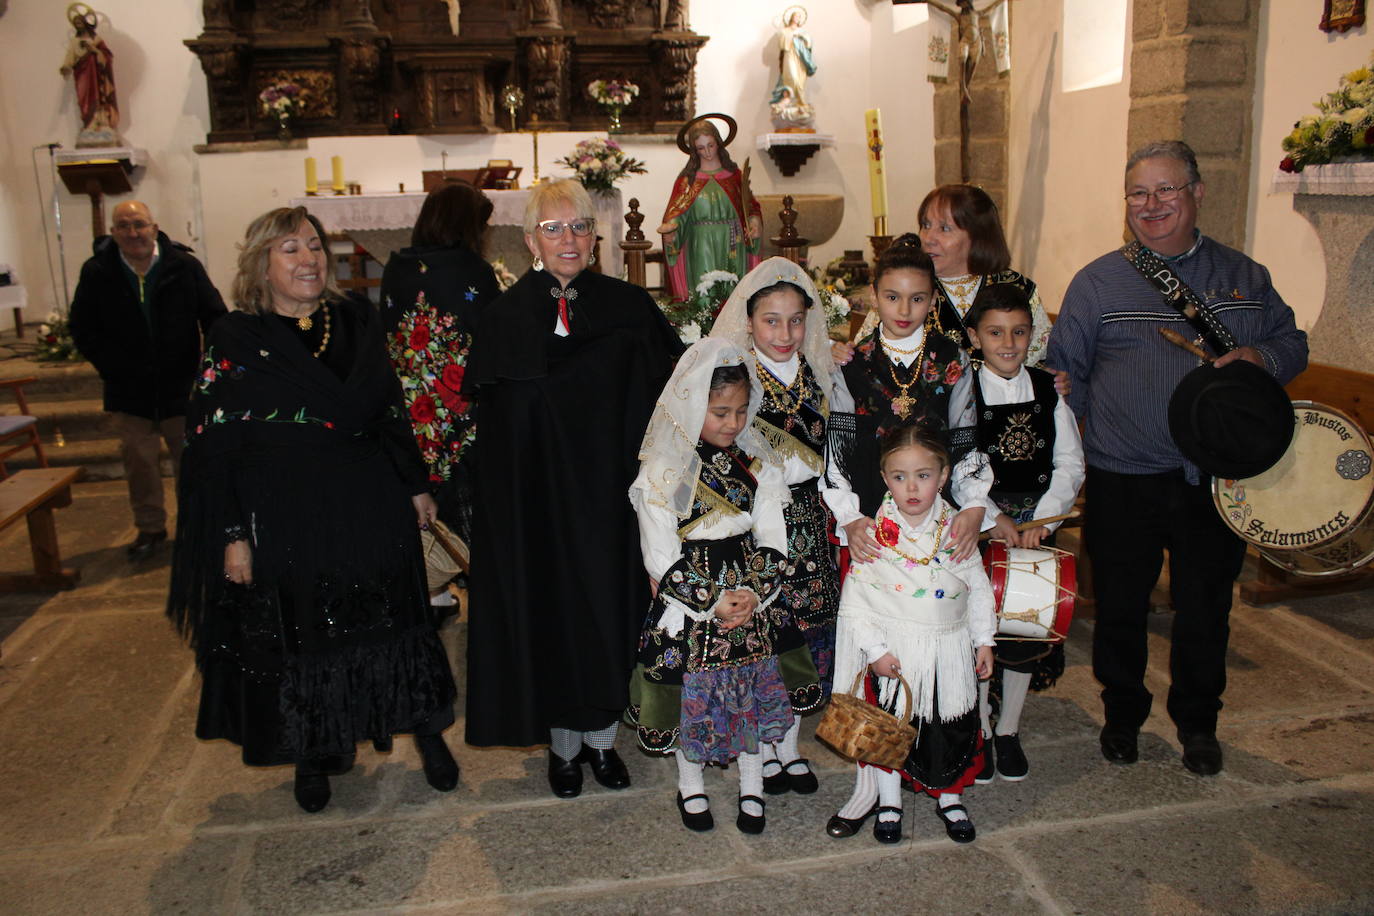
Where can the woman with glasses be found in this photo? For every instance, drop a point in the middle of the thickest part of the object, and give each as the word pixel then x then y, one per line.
pixel 564 370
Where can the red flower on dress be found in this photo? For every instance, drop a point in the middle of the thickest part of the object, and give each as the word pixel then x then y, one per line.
pixel 888 532
pixel 952 372
pixel 328 425
pixel 931 371
pixel 422 411
pixel 419 338
pixel 224 364
pixel 453 376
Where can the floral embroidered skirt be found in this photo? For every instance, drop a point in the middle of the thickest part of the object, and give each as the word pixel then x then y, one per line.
pixel 810 582
pixel 718 693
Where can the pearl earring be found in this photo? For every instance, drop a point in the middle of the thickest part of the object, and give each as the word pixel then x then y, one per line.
pixel 538 263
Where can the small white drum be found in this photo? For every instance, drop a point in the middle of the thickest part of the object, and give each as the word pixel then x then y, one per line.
pixel 1313 512
pixel 1034 589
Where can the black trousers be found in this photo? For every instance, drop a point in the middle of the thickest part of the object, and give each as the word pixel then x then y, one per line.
pixel 1131 520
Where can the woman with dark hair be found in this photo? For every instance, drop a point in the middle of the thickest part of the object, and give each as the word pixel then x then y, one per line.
pixel 962 232
pixel 433 294
pixel 297 573
pixel 711 222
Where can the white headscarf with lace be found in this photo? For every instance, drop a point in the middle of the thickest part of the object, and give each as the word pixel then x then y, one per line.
pixel 668 460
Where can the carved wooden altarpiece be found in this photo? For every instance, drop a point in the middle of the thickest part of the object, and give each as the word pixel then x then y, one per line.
pixel 360 60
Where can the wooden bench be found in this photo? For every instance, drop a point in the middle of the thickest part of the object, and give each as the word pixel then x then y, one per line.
pixel 33 495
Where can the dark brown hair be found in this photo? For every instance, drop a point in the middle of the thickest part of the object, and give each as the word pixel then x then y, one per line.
pixel 997 297
pixel 780 286
pixel 974 212
pixel 904 253
pixel 729 377
pixel 452 216
pixel 914 434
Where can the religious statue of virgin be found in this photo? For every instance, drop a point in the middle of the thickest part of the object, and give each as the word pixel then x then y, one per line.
pixel 788 103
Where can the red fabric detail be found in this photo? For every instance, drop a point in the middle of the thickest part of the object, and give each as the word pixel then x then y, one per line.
pixel 844 564
pixel 563 314
pixel 965 780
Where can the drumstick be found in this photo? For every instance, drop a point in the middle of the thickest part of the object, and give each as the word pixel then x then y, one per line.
pixel 1035 523
pixel 1182 342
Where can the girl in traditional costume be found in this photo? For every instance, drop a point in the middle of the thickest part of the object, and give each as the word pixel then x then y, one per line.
pixel 722 670
pixel 711 222
pixel 917 612
pixel 773 315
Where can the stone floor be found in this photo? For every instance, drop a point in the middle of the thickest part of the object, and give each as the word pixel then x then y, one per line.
pixel 108 804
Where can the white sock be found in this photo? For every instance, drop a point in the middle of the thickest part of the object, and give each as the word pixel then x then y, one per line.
pixel 690 782
pixel 951 798
pixel 770 756
pixel 603 739
pixel 889 795
pixel 751 781
pixel 1015 686
pixel 865 793
pixel 565 742
pixel 985 708
pixel 787 747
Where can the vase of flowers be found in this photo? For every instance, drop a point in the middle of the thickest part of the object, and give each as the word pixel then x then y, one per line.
pixel 55 340
pixel 281 102
pixel 599 164
pixel 614 96
pixel 833 300
pixel 1342 131
pixel 692 318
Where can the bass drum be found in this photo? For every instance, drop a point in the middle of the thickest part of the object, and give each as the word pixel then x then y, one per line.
pixel 1313 512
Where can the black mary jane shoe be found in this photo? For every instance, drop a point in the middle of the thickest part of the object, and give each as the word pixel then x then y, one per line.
pixel 750 823
pixel 776 783
pixel 701 821
pixel 960 831
pixel 312 791
pixel 842 827
pixel 888 831
pixel 607 767
pixel 441 770
pixel 803 783
pixel 565 776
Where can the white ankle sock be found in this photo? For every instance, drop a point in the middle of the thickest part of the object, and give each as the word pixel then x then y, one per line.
pixel 889 795
pixel 751 781
pixel 787 747
pixel 1015 685
pixel 985 708
pixel 865 793
pixel 952 798
pixel 690 782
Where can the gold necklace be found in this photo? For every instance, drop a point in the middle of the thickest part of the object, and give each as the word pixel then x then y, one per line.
pixel 778 390
pixel 961 288
pixel 304 322
pixel 903 402
pixel 324 343
pixel 923 561
pixel 893 348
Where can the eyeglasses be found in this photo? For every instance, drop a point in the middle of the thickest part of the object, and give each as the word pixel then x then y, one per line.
pixel 136 226
pixel 1162 194
pixel 553 228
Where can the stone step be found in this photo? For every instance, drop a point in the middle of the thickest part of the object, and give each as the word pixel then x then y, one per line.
pixel 53 380
pixel 77 419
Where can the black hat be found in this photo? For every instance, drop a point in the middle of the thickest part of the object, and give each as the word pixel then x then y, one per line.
pixel 1234 422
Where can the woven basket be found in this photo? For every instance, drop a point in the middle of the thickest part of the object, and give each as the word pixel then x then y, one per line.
pixel 861 731
pixel 445 554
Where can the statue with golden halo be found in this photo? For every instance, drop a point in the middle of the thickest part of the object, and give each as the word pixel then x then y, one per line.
pixel 91 64
pixel 712 221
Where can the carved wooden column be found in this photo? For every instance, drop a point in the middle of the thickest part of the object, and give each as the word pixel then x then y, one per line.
pixel 360 59
pixel 675 57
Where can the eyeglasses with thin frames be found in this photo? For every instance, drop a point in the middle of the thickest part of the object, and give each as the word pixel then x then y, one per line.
pixel 553 228
pixel 1164 194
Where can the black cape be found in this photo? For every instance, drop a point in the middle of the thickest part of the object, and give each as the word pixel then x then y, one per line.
pixel 558 591
pixel 334 642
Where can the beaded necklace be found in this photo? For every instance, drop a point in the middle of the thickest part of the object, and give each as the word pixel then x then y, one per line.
pixel 888 537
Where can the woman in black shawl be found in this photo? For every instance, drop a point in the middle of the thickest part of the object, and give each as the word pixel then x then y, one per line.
pixel 297 573
pixel 566 368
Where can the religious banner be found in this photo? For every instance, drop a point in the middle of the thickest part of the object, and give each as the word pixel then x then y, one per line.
pixel 998 23
pixel 941 26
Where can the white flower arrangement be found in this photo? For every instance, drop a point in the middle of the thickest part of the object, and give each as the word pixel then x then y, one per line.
pixel 833 300
pixel 599 163
pixel 612 92
pixel 282 100
pixel 1343 130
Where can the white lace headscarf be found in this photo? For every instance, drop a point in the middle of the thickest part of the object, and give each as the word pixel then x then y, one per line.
pixel 668 461
pixel 732 324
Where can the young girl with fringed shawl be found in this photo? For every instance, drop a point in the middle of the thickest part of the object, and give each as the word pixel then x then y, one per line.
pixel 916 612
pixel 722 669
pixel 775 317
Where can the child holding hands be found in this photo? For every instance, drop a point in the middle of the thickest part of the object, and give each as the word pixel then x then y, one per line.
pixel 918 612
pixel 722 670
pixel 1031 439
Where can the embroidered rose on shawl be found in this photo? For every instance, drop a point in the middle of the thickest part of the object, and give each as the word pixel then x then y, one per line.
pixel 888 532
pixel 422 410
pixel 419 337
pixel 952 372
pixel 931 372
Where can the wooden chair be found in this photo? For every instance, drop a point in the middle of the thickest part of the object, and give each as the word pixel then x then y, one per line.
pixel 33 495
pixel 19 432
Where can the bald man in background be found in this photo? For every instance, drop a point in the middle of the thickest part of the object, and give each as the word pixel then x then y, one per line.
pixel 141 308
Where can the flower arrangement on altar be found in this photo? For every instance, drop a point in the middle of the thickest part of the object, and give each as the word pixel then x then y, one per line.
pixel 55 340
pixel 694 317
pixel 612 92
pixel 833 300
pixel 1344 129
pixel 599 164
pixel 282 100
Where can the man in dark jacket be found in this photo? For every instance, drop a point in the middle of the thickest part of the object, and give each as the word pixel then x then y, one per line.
pixel 140 309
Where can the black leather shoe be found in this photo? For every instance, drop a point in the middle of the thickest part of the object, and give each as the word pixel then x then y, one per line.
pixel 382 745
pixel 1011 760
pixel 989 771
pixel 842 827
pixel 1201 753
pixel 441 770
pixel 144 545
pixel 803 783
pixel 701 821
pixel 750 823
pixel 565 776
pixel 312 791
pixel 607 767
pixel 777 783
pixel 1119 744
pixel 888 831
pixel 960 831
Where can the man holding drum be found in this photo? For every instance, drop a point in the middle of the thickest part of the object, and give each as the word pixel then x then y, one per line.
pixel 1143 495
